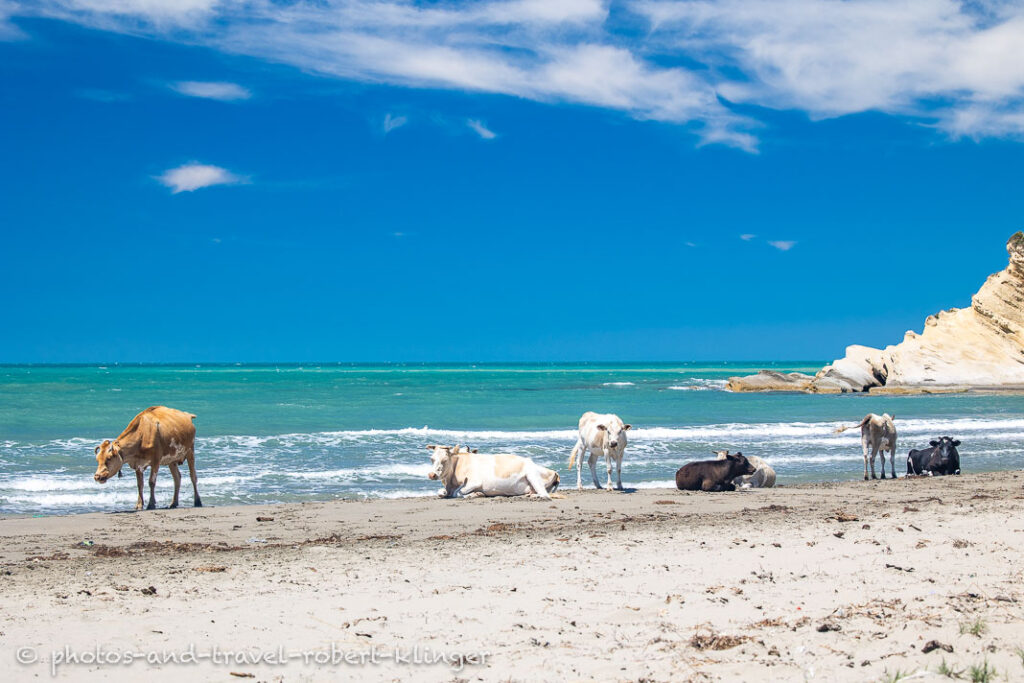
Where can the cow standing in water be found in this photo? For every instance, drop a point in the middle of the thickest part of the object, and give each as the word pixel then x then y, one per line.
pixel 601 435
pixel 877 433
pixel 156 436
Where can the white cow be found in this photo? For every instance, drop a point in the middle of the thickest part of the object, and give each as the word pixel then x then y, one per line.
pixel 762 478
pixel 601 435
pixel 877 433
pixel 467 474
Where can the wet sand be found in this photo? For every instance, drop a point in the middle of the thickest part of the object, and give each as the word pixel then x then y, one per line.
pixel 834 582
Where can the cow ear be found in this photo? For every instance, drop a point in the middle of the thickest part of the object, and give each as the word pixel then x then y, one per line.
pixel 933 443
pixel 475 450
pixel 626 428
pixel 957 442
pixel 601 427
pixel 96 450
pixel 431 447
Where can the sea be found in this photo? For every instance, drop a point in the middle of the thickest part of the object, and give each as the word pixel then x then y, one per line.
pixel 272 433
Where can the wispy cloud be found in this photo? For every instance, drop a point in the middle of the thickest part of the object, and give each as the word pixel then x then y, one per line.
pixel 783 245
pixel 746 237
pixel 393 122
pixel 480 129
pixel 212 90
pixel 949 64
pixel 193 176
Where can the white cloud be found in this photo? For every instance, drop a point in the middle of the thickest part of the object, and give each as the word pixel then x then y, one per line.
pixel 746 237
pixel 194 176
pixel 948 63
pixel 393 122
pixel 480 129
pixel 783 245
pixel 212 90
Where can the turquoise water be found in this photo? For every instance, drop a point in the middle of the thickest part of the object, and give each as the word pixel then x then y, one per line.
pixel 271 433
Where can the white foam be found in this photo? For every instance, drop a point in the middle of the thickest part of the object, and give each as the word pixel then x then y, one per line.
pixel 618 384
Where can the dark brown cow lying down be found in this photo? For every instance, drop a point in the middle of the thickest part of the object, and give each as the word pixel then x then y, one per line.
pixel 713 475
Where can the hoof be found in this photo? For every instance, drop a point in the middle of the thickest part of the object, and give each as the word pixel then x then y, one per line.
pixel 197 504
pixel 172 506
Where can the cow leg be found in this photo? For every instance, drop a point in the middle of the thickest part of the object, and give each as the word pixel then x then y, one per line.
pixel 864 448
pixel 152 485
pixel 176 475
pixel 618 472
pixel 581 451
pixel 195 487
pixel 892 458
pixel 138 480
pixel 608 467
pixel 593 468
pixel 881 457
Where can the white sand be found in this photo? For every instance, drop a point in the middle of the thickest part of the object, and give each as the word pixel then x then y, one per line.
pixel 598 586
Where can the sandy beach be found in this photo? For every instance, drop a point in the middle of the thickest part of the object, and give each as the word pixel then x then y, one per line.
pixel 827 582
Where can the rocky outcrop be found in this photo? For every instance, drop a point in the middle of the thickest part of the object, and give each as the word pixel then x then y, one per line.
pixel 981 347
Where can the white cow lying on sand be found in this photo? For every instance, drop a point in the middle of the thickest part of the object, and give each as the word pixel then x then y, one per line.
pixel 601 435
pixel 467 474
pixel 877 433
pixel 762 478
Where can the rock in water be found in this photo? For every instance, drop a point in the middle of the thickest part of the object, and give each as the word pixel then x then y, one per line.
pixel 981 347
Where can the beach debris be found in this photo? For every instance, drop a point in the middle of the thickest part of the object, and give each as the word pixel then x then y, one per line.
pixel 240 674
pixel 936 645
pixel 121 589
pixel 664 502
pixel 264 519
pixel 709 640
pixel 148 591
pixel 254 539
pixel 899 568
pixel 87 543
pixel 839 534
pixel 907 508
pixel 826 626
pixel 841 516
pixel 961 543
pixel 212 568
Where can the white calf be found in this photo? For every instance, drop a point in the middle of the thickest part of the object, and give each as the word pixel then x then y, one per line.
pixel 601 435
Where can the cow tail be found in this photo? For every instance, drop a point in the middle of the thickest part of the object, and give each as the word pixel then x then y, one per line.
pixel 842 429
pixel 572 456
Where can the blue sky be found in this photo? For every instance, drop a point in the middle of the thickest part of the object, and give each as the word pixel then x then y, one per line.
pixel 518 180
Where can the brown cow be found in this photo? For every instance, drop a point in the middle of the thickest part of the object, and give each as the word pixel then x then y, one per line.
pixel 713 475
pixel 156 436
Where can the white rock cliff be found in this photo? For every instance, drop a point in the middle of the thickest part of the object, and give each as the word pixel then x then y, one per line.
pixel 981 347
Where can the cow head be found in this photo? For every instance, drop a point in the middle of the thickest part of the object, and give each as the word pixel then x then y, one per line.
pixel 109 459
pixel 945 458
pixel 440 460
pixel 615 433
pixel 740 465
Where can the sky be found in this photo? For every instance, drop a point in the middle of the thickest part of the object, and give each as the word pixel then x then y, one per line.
pixel 504 180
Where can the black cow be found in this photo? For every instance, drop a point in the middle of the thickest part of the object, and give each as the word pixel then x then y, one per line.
pixel 941 458
pixel 713 475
